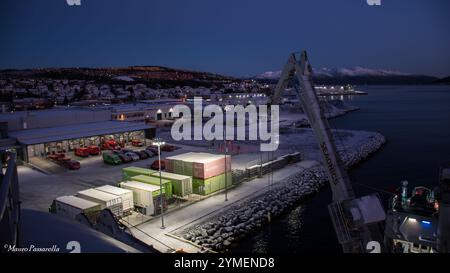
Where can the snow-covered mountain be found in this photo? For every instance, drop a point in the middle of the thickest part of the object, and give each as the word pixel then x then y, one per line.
pixel 339 73
pixel 356 75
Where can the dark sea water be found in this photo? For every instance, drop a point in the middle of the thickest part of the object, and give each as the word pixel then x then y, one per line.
pixel 416 122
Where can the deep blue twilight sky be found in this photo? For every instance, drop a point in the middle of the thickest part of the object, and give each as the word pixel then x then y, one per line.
pixel 232 37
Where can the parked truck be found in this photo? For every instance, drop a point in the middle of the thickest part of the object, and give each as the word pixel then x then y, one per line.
pixel 71 206
pixel 126 195
pixel 111 159
pixel 181 184
pixel 106 200
pixel 145 196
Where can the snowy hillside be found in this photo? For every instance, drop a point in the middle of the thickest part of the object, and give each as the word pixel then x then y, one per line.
pixel 356 75
pixel 339 72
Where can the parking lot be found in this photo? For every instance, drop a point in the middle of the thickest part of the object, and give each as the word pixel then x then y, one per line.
pixel 38 190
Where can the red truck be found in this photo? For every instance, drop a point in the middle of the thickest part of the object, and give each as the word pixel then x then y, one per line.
pixel 71 164
pixel 168 148
pixel 55 157
pixel 137 143
pixel 110 145
pixel 65 161
pixel 82 152
pixel 155 165
pixel 94 150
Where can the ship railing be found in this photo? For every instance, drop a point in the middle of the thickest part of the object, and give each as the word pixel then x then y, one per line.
pixel 9 204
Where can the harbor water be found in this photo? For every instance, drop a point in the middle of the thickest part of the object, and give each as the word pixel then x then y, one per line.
pixel 416 122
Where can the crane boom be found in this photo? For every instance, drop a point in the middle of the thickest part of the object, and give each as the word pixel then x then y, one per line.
pixel 351 216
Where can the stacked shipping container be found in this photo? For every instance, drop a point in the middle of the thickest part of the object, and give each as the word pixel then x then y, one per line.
pixel 208 171
pixel 152 180
pixel 129 172
pixel 212 184
pixel 181 184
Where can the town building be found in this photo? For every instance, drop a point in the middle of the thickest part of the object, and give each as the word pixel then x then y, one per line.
pixel 40 133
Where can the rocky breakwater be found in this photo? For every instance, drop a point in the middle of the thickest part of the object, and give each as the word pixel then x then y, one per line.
pixel 220 232
pixel 359 152
pixel 237 222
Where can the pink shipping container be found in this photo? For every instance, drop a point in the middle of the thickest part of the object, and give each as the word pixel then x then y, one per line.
pixel 198 165
pixel 168 165
pixel 209 165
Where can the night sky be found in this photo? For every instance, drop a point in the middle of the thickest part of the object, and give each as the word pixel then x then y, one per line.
pixel 231 37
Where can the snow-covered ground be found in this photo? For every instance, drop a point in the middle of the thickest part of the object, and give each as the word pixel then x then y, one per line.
pixel 290 117
pixel 39 190
pixel 220 232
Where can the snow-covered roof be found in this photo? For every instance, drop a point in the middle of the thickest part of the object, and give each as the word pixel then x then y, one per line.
pixel 124 78
pixel 149 179
pixel 206 157
pixel 171 175
pixel 180 156
pixel 97 194
pixel 143 105
pixel 140 186
pixel 44 135
pixel 46 112
pixel 113 190
pixel 77 202
pixel 197 157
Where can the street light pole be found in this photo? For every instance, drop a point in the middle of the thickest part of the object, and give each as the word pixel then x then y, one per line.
pixel 225 149
pixel 260 163
pixel 160 186
pixel 226 186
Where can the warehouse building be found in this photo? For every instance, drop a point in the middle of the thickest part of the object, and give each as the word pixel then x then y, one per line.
pixel 148 111
pixel 40 133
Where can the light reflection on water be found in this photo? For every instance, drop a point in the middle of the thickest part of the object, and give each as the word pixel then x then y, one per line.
pixel 415 120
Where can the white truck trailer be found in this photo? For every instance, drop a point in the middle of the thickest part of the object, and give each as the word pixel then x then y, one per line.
pixel 71 206
pixel 126 195
pixel 106 200
pixel 142 195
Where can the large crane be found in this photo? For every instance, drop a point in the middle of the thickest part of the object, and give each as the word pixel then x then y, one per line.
pixel 355 220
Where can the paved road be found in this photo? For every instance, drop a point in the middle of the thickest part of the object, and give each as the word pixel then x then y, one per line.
pixel 206 208
pixel 38 190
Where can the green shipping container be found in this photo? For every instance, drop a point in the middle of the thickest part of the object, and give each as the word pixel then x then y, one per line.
pixel 182 167
pixel 155 193
pixel 167 184
pixel 212 184
pixel 188 168
pixel 129 172
pixel 178 166
pixel 181 184
pixel 182 164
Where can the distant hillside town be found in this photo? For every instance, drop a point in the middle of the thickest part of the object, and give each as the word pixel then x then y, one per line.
pixel 45 88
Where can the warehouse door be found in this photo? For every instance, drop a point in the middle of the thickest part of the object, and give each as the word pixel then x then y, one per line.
pixel 35 150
